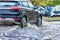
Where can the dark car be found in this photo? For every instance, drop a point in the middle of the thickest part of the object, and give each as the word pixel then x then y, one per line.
pixel 11 12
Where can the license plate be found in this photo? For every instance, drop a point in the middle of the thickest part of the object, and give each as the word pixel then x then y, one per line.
pixel 2 18
pixel 6 19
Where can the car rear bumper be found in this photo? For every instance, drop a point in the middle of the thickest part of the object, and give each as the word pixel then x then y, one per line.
pixel 11 21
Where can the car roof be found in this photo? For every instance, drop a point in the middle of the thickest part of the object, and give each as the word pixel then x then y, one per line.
pixel 22 0
pixel 14 0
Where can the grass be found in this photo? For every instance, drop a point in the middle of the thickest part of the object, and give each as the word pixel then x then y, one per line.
pixel 51 18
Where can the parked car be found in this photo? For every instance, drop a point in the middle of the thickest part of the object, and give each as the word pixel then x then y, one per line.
pixel 48 11
pixel 56 11
pixel 42 9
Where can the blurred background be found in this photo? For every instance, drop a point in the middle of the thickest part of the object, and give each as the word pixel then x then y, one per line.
pixel 49 8
pixel 46 2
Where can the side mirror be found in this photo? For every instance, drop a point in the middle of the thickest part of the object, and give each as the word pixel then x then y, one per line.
pixel 35 7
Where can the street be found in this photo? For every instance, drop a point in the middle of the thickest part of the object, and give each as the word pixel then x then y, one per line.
pixel 29 20
pixel 31 32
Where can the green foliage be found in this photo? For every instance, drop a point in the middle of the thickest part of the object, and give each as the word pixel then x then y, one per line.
pixel 46 2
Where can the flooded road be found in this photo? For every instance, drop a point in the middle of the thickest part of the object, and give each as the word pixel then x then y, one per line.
pixel 31 32
pixel 52 31
pixel 56 23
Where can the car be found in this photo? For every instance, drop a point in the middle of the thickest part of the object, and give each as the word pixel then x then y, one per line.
pixel 48 11
pixel 56 11
pixel 14 11
pixel 11 12
pixel 42 9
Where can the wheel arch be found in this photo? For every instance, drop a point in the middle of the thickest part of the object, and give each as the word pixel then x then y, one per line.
pixel 25 17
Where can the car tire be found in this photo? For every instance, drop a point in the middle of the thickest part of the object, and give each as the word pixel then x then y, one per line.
pixel 39 20
pixel 23 22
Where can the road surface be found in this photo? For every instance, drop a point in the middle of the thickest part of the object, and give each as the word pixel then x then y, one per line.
pixel 32 32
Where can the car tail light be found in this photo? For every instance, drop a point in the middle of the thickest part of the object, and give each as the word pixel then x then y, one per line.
pixel 16 8
pixel 16 19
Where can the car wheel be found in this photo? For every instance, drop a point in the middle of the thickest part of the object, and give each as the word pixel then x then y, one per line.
pixel 39 21
pixel 23 22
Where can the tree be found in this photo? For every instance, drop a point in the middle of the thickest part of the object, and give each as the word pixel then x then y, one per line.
pixel 46 2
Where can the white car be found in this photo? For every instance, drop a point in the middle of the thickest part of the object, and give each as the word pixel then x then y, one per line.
pixel 55 11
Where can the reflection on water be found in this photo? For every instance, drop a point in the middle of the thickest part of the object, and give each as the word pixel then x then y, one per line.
pixel 55 23
pixel 53 31
pixel 39 33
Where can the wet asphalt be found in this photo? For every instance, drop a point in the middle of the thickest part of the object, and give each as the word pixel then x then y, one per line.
pixel 31 32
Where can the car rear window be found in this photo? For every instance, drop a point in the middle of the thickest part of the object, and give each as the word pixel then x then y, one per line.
pixel 30 5
pixel 25 4
pixel 7 3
